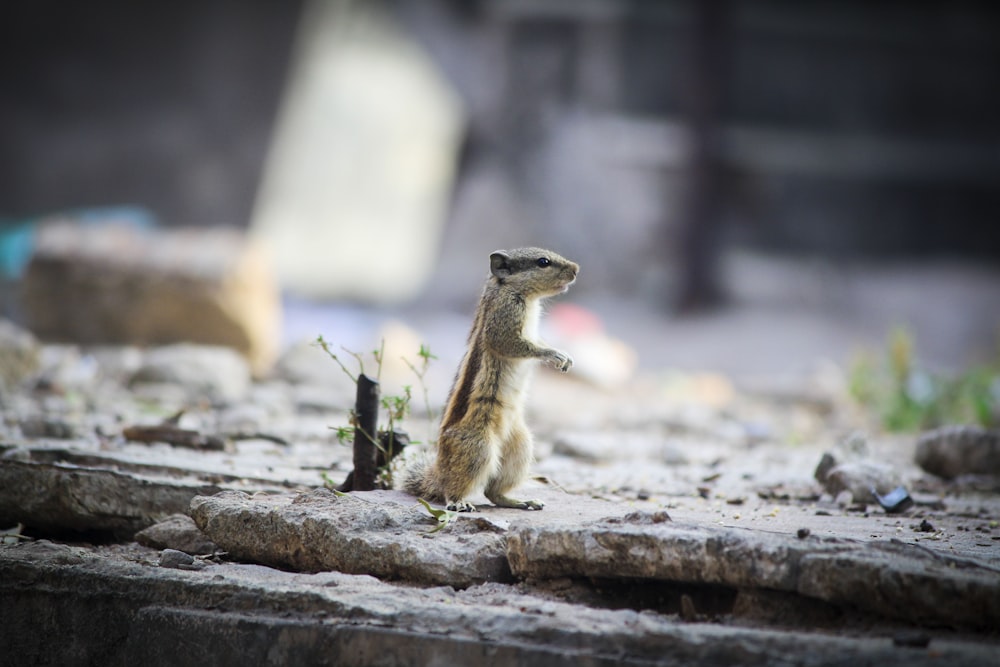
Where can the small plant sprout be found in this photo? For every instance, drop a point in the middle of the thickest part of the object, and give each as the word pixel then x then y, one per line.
pixel 379 356
pixel 386 439
pixel 443 516
pixel 325 346
pixel 344 433
pixel 425 355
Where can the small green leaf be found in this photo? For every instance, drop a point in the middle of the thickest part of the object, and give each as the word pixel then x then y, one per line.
pixel 443 517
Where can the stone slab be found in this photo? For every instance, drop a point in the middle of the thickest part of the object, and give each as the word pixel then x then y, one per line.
pixel 888 578
pixel 117 606
pixel 63 497
pixel 385 535
pixel 319 530
pixel 115 283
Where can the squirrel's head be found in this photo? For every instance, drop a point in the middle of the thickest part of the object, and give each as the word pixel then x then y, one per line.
pixel 533 271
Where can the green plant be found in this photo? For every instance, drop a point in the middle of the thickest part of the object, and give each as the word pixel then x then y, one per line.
pixel 907 397
pixel 444 517
pixel 425 355
pixel 397 407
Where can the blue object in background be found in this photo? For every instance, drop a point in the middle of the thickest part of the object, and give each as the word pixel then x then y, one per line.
pixel 17 237
pixel 17 240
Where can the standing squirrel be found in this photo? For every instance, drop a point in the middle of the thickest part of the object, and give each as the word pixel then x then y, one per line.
pixel 484 443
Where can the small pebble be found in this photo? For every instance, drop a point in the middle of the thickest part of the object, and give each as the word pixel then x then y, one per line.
pixel 802 533
pixel 844 498
pixel 660 517
pixel 179 560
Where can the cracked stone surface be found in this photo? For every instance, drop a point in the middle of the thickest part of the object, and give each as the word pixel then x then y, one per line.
pixel 377 535
pixel 682 524
pixel 888 578
pixel 318 530
pixel 69 497
pixel 119 607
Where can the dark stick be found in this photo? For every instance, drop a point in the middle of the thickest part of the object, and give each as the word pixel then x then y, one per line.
pixel 392 443
pixel 365 429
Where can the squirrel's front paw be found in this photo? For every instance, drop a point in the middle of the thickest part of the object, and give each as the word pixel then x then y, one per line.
pixel 560 360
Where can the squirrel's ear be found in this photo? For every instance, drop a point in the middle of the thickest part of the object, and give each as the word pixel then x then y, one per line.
pixel 499 264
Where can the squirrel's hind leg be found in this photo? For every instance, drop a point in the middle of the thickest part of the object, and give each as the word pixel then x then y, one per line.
pixel 516 457
pixel 465 463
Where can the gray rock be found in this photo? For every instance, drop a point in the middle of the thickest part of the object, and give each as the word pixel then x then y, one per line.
pixel 849 469
pixel 178 532
pixel 177 559
pixel 887 578
pixel 116 362
pixel 826 463
pixel 60 497
pixel 47 427
pixel 845 498
pixel 113 607
pixel 218 373
pixel 318 530
pixel 66 368
pixel 959 450
pixel 859 478
pixel 56 554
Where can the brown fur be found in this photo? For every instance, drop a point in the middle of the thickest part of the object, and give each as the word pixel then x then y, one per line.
pixel 484 443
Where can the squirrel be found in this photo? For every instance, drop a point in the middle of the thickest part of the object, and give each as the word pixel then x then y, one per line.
pixel 483 442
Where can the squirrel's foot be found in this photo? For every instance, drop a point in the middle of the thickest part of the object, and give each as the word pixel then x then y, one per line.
pixel 504 501
pixel 461 506
pixel 560 360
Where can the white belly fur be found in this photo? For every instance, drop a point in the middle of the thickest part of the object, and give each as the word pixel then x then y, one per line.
pixel 520 375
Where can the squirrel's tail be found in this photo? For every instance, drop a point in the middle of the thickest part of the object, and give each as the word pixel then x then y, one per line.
pixel 418 478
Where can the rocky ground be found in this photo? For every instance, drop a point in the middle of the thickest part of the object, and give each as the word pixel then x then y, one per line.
pixel 684 523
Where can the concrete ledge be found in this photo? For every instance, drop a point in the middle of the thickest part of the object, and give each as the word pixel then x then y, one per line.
pixel 890 579
pixel 318 530
pixel 74 605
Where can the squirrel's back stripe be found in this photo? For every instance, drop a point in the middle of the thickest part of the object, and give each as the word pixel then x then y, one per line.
pixel 465 383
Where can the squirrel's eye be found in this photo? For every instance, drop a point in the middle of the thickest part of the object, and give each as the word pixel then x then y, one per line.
pixel 543 261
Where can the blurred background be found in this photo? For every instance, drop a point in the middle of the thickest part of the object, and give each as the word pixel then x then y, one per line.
pixel 752 188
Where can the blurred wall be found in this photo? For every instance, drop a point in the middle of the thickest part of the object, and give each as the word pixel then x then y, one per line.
pixel 168 105
pixel 833 128
pixel 839 129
